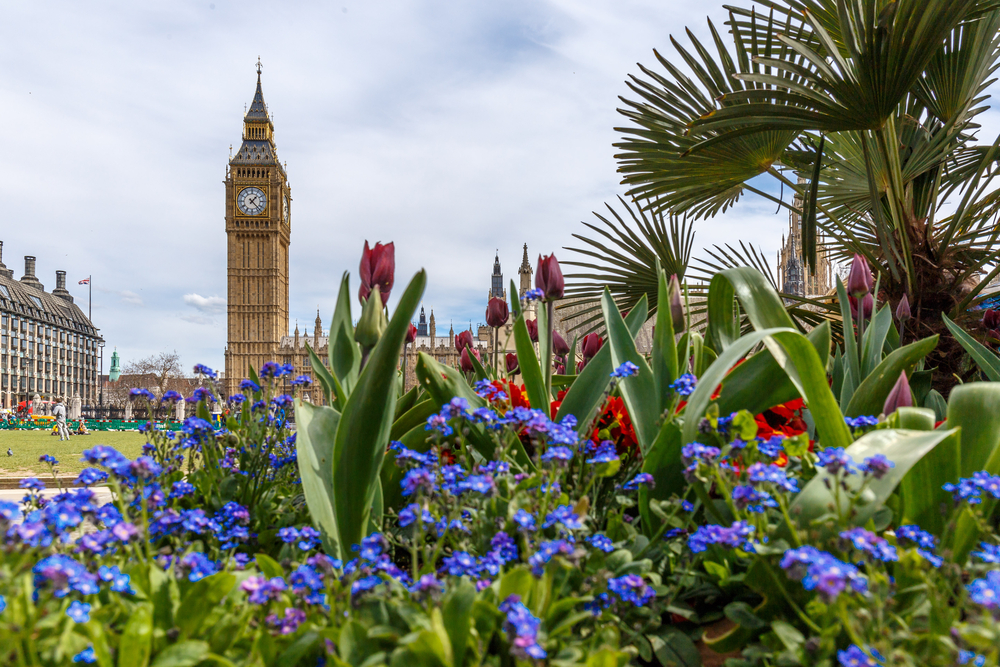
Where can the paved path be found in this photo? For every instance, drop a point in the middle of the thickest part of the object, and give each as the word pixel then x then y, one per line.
pixel 103 494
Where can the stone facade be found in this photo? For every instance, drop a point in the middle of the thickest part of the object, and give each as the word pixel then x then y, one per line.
pixel 48 346
pixel 793 276
pixel 258 229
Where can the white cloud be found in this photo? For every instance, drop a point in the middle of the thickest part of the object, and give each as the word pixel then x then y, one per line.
pixel 206 304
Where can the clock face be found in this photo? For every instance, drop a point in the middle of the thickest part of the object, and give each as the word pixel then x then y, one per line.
pixel 252 201
pixel 286 209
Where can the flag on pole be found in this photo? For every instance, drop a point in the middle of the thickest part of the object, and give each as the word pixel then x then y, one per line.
pixel 85 281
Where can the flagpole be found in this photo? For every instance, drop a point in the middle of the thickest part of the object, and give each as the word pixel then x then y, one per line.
pixel 90 298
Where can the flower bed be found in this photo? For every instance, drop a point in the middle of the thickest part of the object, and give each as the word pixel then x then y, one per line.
pixel 455 524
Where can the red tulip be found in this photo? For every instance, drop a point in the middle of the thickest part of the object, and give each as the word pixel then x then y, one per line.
pixel 512 366
pixel 903 309
pixel 532 330
pixel 466 361
pixel 991 319
pixel 560 369
pixel 378 266
pixel 559 345
pixel 411 333
pixel 859 281
pixel 497 313
pixel 590 345
pixel 899 397
pixel 580 366
pixel 463 340
pixel 549 277
pixel 676 304
pixel 867 303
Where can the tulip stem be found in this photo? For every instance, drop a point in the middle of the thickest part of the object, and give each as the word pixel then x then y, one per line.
pixel 550 308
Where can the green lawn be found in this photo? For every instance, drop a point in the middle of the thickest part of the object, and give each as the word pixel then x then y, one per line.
pixel 29 445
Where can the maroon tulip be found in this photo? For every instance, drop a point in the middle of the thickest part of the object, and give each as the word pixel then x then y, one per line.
pixel 867 303
pixel 903 309
pixel 549 278
pixel 559 345
pixel 532 330
pixel 994 334
pixel 676 304
pixel 466 361
pixel 590 345
pixel 580 366
pixel 859 281
pixel 411 333
pixel 378 266
pixel 497 313
pixel 512 366
pixel 560 369
pixel 899 397
pixel 991 319
pixel 463 340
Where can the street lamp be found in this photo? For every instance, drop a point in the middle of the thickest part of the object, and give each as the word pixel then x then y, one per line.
pixel 100 375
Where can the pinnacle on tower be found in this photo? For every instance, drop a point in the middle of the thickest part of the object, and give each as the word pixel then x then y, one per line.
pixel 258 110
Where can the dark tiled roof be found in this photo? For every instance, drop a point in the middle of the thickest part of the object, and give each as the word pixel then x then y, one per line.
pixel 256 151
pixel 35 303
pixel 258 110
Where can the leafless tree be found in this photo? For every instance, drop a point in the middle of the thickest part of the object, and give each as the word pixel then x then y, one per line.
pixel 158 373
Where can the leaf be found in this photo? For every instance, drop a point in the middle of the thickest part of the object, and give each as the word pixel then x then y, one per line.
pixel 199 601
pixel 664 463
pixel 869 398
pixel 975 408
pixel 874 340
pixel 760 383
pixel 326 379
pixel 797 356
pixel 664 361
pixel 788 634
pixel 456 612
pixel 903 448
pixel 134 646
pixel 586 394
pixel 299 648
pixel 673 648
pixel 268 566
pixel 517 581
pixel 531 372
pixel 985 358
pixel 741 614
pixel 638 391
pixel 182 654
pixel 316 434
pixel 365 424
pixel 415 416
pixel 342 349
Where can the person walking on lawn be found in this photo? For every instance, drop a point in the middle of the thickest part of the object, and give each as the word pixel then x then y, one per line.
pixel 59 412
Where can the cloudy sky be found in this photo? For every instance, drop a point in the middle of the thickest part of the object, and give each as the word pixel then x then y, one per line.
pixel 454 129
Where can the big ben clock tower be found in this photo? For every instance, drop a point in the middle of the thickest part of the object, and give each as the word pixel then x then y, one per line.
pixel 258 228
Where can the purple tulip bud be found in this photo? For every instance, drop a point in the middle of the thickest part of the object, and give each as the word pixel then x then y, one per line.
pixel 676 304
pixel 497 313
pixel 867 305
pixel 549 277
pixel 899 397
pixel 903 309
pixel 991 319
pixel 559 345
pixel 463 340
pixel 466 361
pixel 859 281
pixel 378 267
pixel 512 366
pixel 590 345
pixel 532 330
